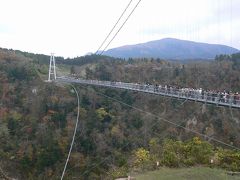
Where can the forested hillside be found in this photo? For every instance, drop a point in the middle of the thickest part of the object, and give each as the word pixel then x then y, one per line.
pixel 113 139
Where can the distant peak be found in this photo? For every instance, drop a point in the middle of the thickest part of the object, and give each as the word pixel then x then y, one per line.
pixel 171 48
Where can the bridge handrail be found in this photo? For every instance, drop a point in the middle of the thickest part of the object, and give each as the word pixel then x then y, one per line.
pixel 186 93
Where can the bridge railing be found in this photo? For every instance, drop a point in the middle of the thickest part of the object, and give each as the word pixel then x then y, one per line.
pixel 183 93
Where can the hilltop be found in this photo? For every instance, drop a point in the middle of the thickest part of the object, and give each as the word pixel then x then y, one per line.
pixel 170 48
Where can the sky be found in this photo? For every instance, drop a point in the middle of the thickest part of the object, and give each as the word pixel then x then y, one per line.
pixel 71 28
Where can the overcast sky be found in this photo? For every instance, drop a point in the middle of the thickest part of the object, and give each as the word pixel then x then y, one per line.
pixel 72 28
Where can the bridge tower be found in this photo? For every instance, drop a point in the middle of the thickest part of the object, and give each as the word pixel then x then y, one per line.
pixel 52 68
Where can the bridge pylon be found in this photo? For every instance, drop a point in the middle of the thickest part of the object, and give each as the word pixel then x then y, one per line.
pixel 52 68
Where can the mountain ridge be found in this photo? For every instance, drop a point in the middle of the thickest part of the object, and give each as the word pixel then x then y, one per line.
pixel 171 48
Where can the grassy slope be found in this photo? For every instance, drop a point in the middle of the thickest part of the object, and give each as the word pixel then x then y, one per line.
pixel 196 173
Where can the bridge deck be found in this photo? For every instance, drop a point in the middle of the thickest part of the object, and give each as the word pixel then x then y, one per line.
pixel 175 93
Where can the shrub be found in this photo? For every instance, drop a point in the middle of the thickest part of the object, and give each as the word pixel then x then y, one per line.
pixel 172 153
pixel 198 151
pixel 229 159
pixel 142 158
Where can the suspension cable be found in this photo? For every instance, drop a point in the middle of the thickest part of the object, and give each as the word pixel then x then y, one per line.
pixel 114 26
pixel 74 134
pixel 120 27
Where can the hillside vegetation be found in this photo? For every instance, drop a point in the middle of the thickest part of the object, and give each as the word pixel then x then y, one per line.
pixel 37 119
pixel 197 173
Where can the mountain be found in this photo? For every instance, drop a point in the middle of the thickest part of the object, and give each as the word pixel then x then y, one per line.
pixel 37 118
pixel 170 48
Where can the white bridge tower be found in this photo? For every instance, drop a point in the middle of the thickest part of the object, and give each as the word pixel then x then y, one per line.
pixel 52 68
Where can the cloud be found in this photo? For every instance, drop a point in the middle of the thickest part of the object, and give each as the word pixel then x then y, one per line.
pixel 76 27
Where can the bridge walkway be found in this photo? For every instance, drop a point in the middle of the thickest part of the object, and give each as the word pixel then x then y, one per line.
pixel 162 91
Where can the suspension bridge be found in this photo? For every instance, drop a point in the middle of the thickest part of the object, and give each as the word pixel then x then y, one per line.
pixel 201 96
pixel 184 93
pixel 162 91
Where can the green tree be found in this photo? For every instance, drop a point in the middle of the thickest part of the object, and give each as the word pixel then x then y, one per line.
pixel 229 159
pixel 199 151
pixel 142 158
pixel 172 153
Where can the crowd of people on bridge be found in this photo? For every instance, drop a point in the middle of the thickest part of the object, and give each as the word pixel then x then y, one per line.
pixel 227 97
pixel 196 93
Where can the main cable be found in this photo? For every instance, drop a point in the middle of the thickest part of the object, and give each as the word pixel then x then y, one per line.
pixel 121 27
pixel 74 134
pixel 114 26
